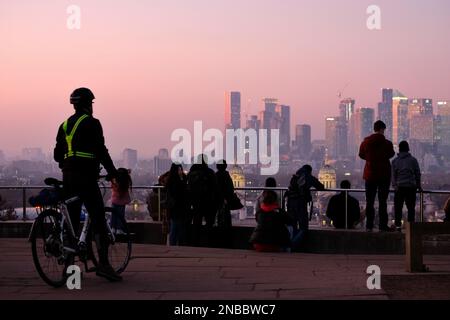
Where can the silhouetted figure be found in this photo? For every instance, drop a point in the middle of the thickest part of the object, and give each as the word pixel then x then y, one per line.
pixel 336 209
pixel 80 149
pixel 269 183
pixel 157 199
pixel 177 205
pixel 121 186
pixel 225 197
pixel 377 151
pixel 203 196
pixel 406 180
pixel 271 233
pixel 298 197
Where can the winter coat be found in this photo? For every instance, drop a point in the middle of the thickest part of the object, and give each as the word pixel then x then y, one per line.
pixel 405 171
pixel 377 151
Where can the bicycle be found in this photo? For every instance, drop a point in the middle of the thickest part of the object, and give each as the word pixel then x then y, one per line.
pixel 55 245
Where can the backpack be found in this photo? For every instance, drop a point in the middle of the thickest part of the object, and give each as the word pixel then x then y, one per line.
pixel 199 183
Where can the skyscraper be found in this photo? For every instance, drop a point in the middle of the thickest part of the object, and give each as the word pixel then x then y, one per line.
pixel 346 109
pixel 284 116
pixel 232 110
pixel 2 158
pixel 130 159
pixel 303 140
pixel 336 137
pixel 361 126
pixel 162 162
pixel 400 123
pixel 385 110
pixel 442 126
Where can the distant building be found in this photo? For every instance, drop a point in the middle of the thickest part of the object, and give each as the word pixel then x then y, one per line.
pixel 303 140
pixel 327 176
pixel 284 116
pixel 336 137
pixel 233 110
pixel 162 162
pixel 385 110
pixel 130 158
pixel 2 158
pixel 361 126
pixel 421 128
pixel 442 127
pixel 400 123
pixel 346 109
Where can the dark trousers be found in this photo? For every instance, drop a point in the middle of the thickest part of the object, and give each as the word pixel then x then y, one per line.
pixel 85 187
pixel 405 195
pixel 207 211
pixel 372 188
pixel 301 225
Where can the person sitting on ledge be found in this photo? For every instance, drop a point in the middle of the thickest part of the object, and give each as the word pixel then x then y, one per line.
pixel 336 209
pixel 271 233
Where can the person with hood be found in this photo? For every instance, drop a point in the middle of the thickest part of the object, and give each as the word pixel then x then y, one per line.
pixel 298 197
pixel 204 198
pixel 271 233
pixel 406 181
pixel 377 151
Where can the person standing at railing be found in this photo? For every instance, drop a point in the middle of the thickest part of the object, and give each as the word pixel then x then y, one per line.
pixel 269 183
pixel 226 194
pixel 377 151
pixel 203 197
pixel 406 181
pixel 298 197
pixel 121 186
pixel 80 149
pixel 177 205
pixel 337 208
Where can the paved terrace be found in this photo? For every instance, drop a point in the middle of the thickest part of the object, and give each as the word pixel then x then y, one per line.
pixel 160 272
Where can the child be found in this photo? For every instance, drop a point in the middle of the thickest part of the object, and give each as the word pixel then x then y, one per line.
pixel 120 197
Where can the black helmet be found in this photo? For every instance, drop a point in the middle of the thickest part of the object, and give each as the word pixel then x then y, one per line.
pixel 81 95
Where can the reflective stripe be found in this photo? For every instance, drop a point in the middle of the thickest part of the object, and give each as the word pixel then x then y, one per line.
pixel 69 138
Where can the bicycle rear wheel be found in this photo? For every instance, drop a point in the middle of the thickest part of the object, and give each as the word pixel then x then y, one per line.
pixel 119 250
pixel 49 258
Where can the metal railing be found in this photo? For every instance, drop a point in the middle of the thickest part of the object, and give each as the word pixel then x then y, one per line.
pixel 282 192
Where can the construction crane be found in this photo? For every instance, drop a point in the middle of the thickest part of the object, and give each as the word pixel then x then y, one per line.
pixel 340 92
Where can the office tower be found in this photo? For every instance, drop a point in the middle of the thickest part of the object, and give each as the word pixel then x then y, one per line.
pixel 422 128
pixel 303 140
pixel 400 123
pixel 232 110
pixel 336 137
pixel 33 154
pixel 283 114
pixel 129 158
pixel 2 158
pixel 442 126
pixel 346 109
pixel 162 162
pixel 420 107
pixel 361 126
pixel 385 110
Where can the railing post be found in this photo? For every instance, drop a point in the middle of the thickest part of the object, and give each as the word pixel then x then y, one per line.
pixel 24 204
pixel 346 209
pixel 422 203
pixel 159 204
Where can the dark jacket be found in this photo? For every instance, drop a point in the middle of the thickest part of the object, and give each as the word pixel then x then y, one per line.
pixel 88 138
pixel 301 184
pixel 405 171
pixel 225 186
pixel 377 151
pixel 177 202
pixel 272 227
pixel 336 211
pixel 202 186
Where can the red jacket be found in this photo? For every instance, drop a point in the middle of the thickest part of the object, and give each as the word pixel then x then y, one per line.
pixel 377 151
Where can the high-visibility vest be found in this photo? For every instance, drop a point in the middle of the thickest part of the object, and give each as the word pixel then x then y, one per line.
pixel 69 138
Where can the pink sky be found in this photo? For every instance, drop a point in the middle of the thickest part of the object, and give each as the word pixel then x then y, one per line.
pixel 159 65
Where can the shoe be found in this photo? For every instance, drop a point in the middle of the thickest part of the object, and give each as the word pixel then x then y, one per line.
pixel 107 272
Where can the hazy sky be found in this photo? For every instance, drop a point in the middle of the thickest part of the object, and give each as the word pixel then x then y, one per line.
pixel 158 65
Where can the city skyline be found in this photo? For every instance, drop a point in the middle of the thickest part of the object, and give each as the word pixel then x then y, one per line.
pixel 163 65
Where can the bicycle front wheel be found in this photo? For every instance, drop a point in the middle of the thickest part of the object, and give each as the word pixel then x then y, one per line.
pixel 119 250
pixel 49 258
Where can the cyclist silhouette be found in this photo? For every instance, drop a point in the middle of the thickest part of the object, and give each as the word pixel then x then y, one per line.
pixel 80 149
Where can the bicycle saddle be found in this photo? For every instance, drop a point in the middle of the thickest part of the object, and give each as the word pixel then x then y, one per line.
pixel 53 182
